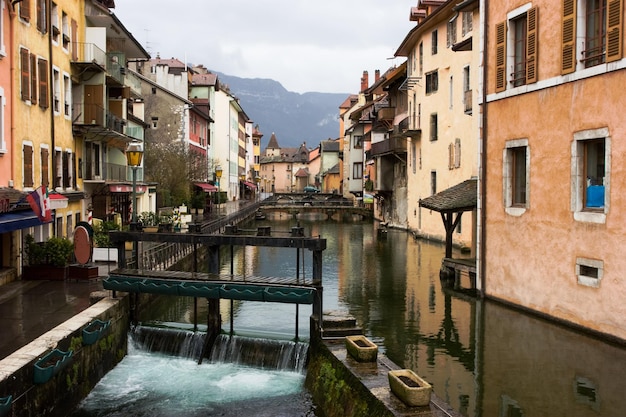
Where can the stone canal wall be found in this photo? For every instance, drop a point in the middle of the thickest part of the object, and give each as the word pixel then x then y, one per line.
pixel 40 387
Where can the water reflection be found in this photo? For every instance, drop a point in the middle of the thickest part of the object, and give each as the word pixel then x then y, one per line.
pixel 482 358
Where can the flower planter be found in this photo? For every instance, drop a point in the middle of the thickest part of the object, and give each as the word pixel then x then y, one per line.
pixel 50 365
pixel 48 272
pixel 95 330
pixel 361 348
pixel 409 387
pixel 151 229
pixel 5 405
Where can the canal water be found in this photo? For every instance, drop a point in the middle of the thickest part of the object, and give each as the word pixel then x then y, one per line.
pixel 483 358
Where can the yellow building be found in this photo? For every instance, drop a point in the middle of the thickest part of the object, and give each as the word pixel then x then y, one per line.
pixel 554 228
pixel 443 123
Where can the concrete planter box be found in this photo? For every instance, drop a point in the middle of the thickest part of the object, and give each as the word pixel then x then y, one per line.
pixel 361 348
pixel 104 255
pixel 410 388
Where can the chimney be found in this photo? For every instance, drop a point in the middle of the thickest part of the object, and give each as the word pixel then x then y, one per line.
pixel 376 75
pixel 364 81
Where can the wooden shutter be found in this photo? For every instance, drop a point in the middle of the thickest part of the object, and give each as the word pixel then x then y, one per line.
pixel 25 10
pixel 532 32
pixel 25 71
pixel 614 30
pixel 33 79
pixel 568 37
pixel 500 56
pixel 45 160
pixel 74 39
pixel 41 16
pixel 43 83
pixel 28 166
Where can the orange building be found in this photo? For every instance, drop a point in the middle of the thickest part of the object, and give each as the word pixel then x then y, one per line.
pixel 554 151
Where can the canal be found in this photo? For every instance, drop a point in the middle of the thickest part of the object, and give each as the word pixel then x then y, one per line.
pixel 481 357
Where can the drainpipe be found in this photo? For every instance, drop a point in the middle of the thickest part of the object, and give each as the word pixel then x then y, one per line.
pixel 483 153
pixel 51 100
pixel 13 18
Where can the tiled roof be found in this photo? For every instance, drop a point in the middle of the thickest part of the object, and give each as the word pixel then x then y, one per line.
pixel 461 197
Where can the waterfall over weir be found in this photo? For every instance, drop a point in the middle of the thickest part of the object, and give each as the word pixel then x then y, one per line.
pixel 259 353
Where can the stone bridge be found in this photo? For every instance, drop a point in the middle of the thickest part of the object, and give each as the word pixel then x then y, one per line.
pixel 330 205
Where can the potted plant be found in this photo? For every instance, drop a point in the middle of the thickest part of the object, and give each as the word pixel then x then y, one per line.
pixel 198 201
pixel 149 221
pixel 47 260
pixel 361 348
pixel 103 249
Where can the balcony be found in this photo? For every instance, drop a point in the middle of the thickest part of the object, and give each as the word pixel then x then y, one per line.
pixel 94 115
pixel 116 66
pixel 93 171
pixel 393 145
pixel 386 113
pixel 131 80
pixel 90 54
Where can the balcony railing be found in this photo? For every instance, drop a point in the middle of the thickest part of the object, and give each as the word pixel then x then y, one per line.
pixel 392 145
pixel 109 172
pixel 88 114
pixel 116 66
pixel 131 80
pixel 89 52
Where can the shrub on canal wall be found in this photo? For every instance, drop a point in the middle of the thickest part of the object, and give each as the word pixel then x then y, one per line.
pixel 336 390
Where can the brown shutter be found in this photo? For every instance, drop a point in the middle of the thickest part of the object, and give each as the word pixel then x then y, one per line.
pixel 568 37
pixel 28 166
pixel 43 83
pixel 25 71
pixel 25 10
pixel 74 38
pixel 33 79
pixel 614 30
pixel 532 20
pixel 44 167
pixel 500 56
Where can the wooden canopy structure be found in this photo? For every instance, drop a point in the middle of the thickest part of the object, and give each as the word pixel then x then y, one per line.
pixel 451 203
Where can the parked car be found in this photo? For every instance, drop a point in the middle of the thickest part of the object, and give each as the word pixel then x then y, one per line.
pixel 311 189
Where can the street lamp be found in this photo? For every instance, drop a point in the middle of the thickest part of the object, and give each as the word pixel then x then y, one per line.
pixel 134 154
pixel 218 175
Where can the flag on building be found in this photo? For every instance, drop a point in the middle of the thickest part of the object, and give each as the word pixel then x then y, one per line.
pixel 40 203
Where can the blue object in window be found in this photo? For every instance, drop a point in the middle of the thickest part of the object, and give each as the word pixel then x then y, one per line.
pixel 595 196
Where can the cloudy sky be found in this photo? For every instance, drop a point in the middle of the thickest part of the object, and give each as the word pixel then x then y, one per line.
pixel 306 45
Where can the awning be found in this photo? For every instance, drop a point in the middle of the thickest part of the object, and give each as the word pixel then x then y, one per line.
pixel 461 197
pixel 17 220
pixel 206 187
pixel 58 201
pixel 249 185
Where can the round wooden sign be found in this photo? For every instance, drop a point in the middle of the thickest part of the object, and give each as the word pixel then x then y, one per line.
pixel 82 245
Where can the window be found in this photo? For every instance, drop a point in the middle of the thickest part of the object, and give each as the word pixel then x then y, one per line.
pixel 433 182
pixel 467 23
pixel 25 10
pixel 433 43
pixel 42 24
pixel 413 155
pixel 599 40
pixel 421 58
pixel 433 127
pixel 58 169
pixel 589 271
pixel 432 82
pixel 451 33
pixel 67 97
pixel 54 19
pixel 25 73
pixel 358 141
pixel 591 152
pixel 45 161
pixel 516 50
pixel 56 80
pixel 516 176
pixel 42 66
pixel 357 170
pixel 28 165
pixel 467 91
pixel 66 30
pixel 451 92
pixel 155 122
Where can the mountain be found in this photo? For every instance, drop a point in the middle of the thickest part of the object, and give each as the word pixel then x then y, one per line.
pixel 294 118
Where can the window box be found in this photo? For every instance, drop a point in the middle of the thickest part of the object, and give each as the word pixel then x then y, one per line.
pixel 409 387
pixel 94 331
pixel 361 348
pixel 49 365
pixel 5 405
